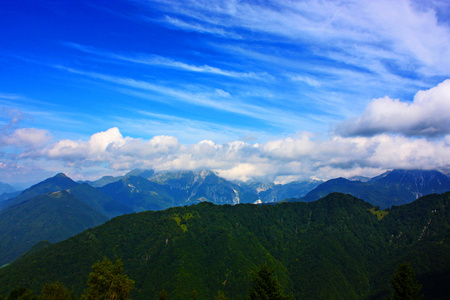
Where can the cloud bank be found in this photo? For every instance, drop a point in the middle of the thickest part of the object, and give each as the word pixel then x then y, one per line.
pixel 427 115
pixel 388 134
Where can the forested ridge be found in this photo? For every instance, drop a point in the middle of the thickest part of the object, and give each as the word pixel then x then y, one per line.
pixel 338 247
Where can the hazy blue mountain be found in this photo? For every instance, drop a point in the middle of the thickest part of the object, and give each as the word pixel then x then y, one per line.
pixel 7 196
pixel 168 189
pixel 52 217
pixel 395 187
pixel 110 179
pixel 415 182
pixel 57 183
pixel 96 199
pixel 103 181
pixel 6 188
pixel 139 194
pixel 189 187
pixel 141 172
pixel 269 192
pixel 205 185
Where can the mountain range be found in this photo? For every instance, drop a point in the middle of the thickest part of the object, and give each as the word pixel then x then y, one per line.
pixel 395 187
pixel 338 247
pixel 142 190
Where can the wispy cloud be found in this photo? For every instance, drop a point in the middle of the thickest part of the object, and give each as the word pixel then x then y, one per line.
pixel 192 26
pixel 156 60
pixel 216 99
pixel 187 130
pixel 410 32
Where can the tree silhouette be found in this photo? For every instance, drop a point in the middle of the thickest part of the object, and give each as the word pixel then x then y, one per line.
pixel 163 295
pixel 220 296
pixel 106 282
pixel 266 285
pixel 22 294
pixel 56 291
pixel 405 284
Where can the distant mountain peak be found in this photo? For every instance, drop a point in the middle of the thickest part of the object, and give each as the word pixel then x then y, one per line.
pixel 60 175
pixel 145 173
pixel 205 173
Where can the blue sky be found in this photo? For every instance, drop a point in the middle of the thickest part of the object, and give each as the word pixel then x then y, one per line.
pixel 276 89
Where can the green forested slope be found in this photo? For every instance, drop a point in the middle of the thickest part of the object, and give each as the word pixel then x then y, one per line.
pixel 334 248
pixel 52 217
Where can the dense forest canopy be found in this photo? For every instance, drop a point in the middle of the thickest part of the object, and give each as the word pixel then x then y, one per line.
pixel 338 246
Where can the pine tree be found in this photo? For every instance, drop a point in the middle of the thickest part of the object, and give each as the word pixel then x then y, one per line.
pixel 266 285
pixel 405 285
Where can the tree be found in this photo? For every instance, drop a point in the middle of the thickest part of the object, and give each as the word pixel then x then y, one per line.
pixel 220 296
pixel 266 285
pixel 405 285
pixel 56 291
pixel 163 295
pixel 106 281
pixel 22 294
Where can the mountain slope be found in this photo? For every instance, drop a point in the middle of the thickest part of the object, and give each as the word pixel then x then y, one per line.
pixel 96 199
pixel 413 183
pixel 139 194
pixel 52 217
pixel 194 187
pixel 396 187
pixel 110 179
pixel 6 188
pixel 279 192
pixel 332 248
pixel 57 183
pixel 8 196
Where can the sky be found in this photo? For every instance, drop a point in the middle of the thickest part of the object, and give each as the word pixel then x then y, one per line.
pixel 254 90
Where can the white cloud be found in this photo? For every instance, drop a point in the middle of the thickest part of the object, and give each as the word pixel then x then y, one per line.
pixel 146 59
pixel 427 115
pixel 216 99
pixel 95 149
pixel 306 79
pixel 26 137
pixel 301 156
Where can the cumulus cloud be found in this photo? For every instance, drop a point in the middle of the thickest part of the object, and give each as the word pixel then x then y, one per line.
pixel 427 115
pixel 112 147
pixel 388 134
pixel 302 156
pixel 26 137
